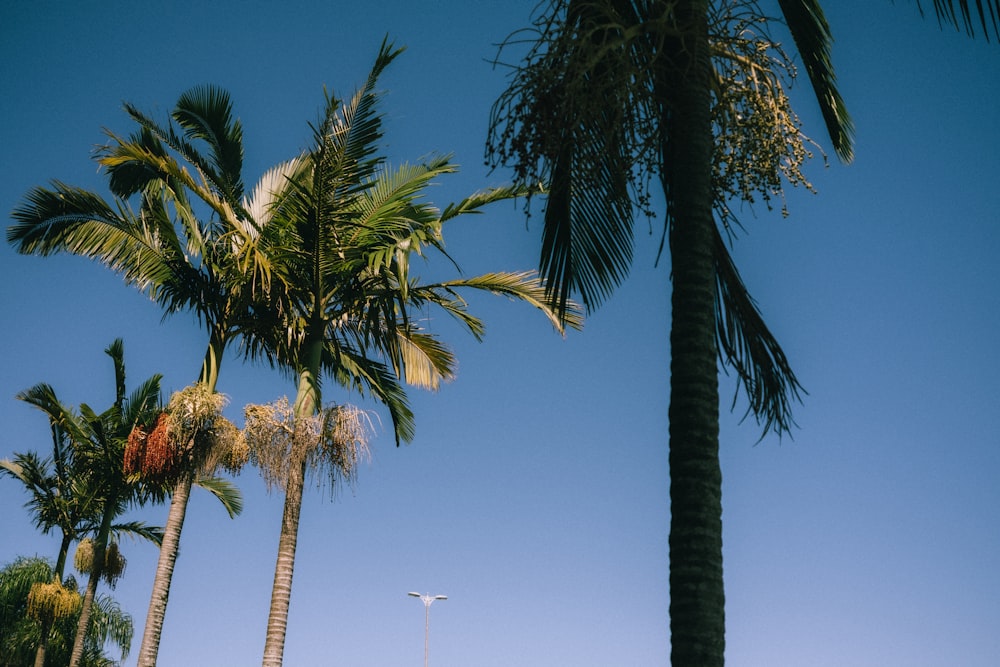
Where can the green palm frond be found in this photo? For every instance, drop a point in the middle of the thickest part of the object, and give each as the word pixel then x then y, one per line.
pixel 521 286
pixel 367 376
pixel 70 219
pixel 225 491
pixel 748 346
pixel 813 40
pixel 137 529
pixel 206 114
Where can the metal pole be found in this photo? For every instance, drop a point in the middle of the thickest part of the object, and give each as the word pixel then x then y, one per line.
pixel 427 600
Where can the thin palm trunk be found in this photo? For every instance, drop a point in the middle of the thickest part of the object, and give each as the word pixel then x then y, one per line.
pixel 307 402
pixel 97 567
pixel 165 570
pixel 157 612
pixel 281 591
pixel 697 596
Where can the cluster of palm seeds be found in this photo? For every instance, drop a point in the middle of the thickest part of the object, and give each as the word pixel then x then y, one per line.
pixel 52 601
pixel 135 450
pixel 83 561
pixel 161 458
pixel 153 455
pixel 114 561
pixel 222 445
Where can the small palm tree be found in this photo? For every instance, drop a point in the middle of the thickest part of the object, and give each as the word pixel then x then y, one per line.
pixel 340 230
pixel 64 492
pixel 21 630
pixel 98 442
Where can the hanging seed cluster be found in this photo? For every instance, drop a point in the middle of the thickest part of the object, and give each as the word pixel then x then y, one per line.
pixel 208 438
pixel 343 444
pixel 162 458
pixel 269 431
pixel 135 450
pixel 114 564
pixel 83 561
pixel 331 443
pixel 223 445
pixel 114 561
pixel 152 454
pixel 52 601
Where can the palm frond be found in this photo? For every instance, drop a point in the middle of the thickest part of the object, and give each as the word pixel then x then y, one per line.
pixel 137 529
pixel 73 220
pixel 987 12
pixel 813 40
pixel 206 114
pixel 227 493
pixel 747 345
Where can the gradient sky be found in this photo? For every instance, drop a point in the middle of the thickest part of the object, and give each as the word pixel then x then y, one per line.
pixel 535 492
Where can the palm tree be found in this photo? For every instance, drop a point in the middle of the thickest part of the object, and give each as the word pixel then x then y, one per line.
pixel 64 490
pixel 99 444
pixel 340 229
pixel 166 250
pixel 21 631
pixel 616 94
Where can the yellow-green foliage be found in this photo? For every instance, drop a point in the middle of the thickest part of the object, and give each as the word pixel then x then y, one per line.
pixel 52 600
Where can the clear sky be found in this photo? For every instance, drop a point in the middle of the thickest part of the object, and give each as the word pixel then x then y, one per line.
pixel 535 492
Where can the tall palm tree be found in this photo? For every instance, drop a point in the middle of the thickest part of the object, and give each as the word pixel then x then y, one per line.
pixel 340 229
pixel 161 246
pixel 616 94
pixel 65 493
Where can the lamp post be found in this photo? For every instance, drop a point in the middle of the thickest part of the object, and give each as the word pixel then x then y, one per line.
pixel 427 600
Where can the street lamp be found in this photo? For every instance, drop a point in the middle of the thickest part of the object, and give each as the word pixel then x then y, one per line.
pixel 427 600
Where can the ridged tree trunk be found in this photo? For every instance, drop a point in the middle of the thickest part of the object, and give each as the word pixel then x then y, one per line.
pixel 284 568
pixel 170 546
pixel 100 547
pixel 307 402
pixel 697 596
pixel 165 570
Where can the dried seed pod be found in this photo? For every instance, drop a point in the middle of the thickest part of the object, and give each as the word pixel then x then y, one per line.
pixel 52 600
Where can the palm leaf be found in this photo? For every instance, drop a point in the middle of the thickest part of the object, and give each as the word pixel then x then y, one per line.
pixel 227 493
pixel 812 37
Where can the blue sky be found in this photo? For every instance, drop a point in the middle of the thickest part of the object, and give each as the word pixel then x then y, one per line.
pixel 535 492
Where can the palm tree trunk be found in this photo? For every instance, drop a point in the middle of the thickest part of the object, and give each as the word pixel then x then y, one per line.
pixel 165 570
pixel 170 546
pixel 307 402
pixel 281 591
pixel 100 547
pixel 697 596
